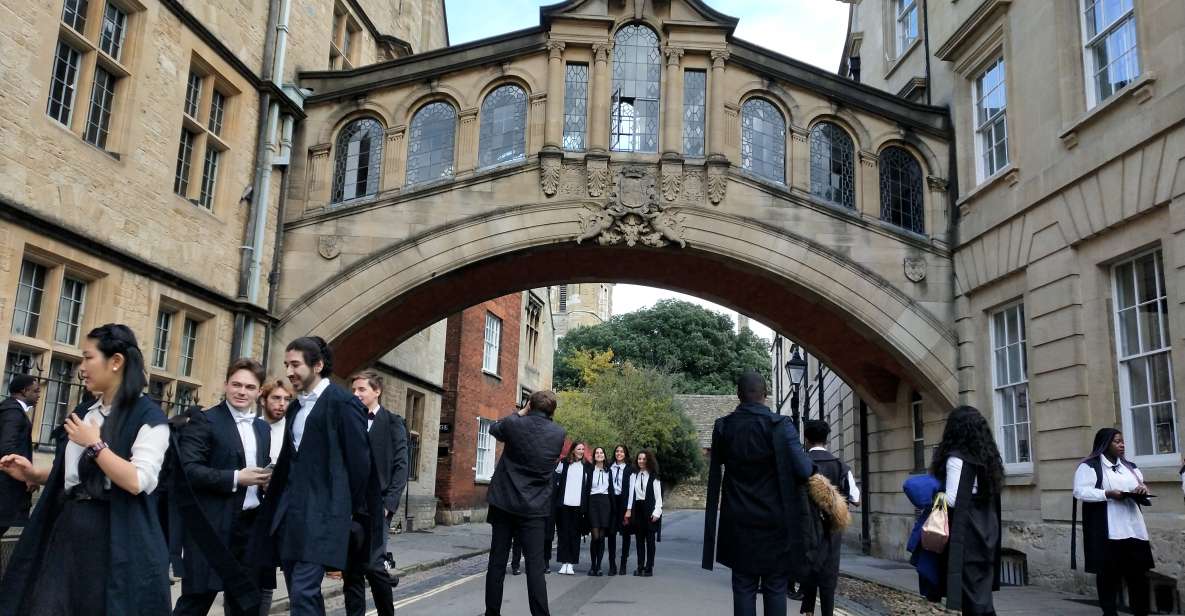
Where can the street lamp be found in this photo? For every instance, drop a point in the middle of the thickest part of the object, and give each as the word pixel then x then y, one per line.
pixel 796 370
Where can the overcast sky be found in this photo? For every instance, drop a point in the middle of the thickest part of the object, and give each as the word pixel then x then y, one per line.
pixel 809 30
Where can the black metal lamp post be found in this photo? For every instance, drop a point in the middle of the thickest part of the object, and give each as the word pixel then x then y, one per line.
pixel 796 370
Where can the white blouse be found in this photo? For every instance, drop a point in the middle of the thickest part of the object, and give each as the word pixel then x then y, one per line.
pixel 638 492
pixel 954 474
pixel 1124 519
pixel 618 470
pixel 600 481
pixel 148 451
pixel 575 484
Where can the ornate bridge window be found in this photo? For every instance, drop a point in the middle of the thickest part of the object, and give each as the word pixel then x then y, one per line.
pixel 695 97
pixel 833 176
pixel 901 190
pixel 575 106
pixel 763 140
pixel 637 68
pixel 430 141
pixel 503 136
pixel 358 156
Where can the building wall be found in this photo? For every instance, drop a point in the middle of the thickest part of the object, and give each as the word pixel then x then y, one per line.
pixel 577 305
pixel 471 395
pixel 1086 185
pixel 535 365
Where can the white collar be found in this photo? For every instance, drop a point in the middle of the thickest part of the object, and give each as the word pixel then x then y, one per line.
pixel 98 406
pixel 376 408
pixel 236 411
pixel 818 449
pixel 318 389
pixel 25 406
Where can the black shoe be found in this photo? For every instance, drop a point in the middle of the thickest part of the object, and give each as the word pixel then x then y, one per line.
pixel 648 573
pixel 515 571
pixel 612 569
pixel 794 595
pixel 637 573
pixel 547 570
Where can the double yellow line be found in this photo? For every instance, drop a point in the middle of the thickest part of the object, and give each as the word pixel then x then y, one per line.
pixel 431 593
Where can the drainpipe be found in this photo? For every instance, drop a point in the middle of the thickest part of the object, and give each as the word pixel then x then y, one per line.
pixel 926 43
pixel 865 486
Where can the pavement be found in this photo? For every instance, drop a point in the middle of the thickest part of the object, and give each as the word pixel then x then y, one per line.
pixel 442 574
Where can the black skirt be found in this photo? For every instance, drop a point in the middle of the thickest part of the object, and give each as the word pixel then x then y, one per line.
pixel 599 512
pixel 73 576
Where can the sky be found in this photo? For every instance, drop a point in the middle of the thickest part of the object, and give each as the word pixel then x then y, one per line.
pixel 810 30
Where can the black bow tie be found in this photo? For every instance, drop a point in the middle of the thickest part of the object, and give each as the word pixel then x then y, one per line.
pixel 1114 468
pixel 372 414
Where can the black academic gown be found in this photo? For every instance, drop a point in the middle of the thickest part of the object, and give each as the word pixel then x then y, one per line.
pixel 211 451
pixel 139 584
pixel 318 495
pixel 16 437
pixel 973 551
pixel 388 452
pixel 766 523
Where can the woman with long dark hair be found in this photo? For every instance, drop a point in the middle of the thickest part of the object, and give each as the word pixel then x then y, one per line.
pixel 1114 537
pixel 599 509
pixel 968 463
pixel 620 474
pixel 643 510
pixel 94 543
pixel 573 476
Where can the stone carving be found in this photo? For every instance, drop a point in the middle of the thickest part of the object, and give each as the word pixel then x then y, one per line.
pixel 572 182
pixel 717 184
pixel 915 269
pixel 633 215
pixel 693 187
pixel 549 174
pixel 598 176
pixel 329 246
pixel 672 184
pixel 936 183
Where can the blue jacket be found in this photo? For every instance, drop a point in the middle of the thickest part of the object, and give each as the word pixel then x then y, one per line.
pixel 920 490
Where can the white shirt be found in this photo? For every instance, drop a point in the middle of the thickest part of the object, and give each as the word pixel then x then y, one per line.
pixel 618 471
pixel 1124 519
pixel 954 474
pixel 24 407
pixel 307 401
pixel 574 485
pixel 600 481
pixel 244 422
pixel 277 438
pixel 148 451
pixel 638 493
pixel 853 489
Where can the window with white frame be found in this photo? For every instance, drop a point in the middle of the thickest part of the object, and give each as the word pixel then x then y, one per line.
pixel 1143 346
pixel 991 130
pixel 917 421
pixel 160 350
pixel 70 306
pixel 189 342
pixel 493 343
pixel 485 449
pixel 1109 47
pixel 30 291
pixel 1010 385
pixel 907 24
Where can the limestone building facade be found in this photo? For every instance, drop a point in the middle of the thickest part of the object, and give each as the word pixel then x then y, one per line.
pixel 1066 199
pixel 580 304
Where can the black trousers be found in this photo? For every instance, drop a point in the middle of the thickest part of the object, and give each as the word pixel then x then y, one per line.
pixel 773 593
pixel 528 532
pixel 199 604
pixel 644 529
pixel 1127 561
pixel 304 588
pixel 568 524
pixel 548 538
pixel 360 571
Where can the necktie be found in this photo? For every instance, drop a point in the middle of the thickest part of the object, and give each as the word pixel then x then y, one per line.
pixel 371 414
pixel 1114 468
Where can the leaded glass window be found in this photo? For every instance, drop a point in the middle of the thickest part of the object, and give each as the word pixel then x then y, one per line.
pixel 901 190
pixel 98 121
pixel 115 24
pixel 695 97
pixel 503 136
pixel 637 69
pixel 357 159
pixel 763 140
pixel 64 83
pixel 74 14
pixel 575 106
pixel 833 175
pixel 430 142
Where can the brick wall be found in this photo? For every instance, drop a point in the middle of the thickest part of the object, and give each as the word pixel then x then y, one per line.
pixel 471 393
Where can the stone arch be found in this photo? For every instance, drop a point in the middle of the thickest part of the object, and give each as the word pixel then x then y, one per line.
pixel 348 113
pixel 779 96
pixel 510 75
pixel 423 95
pixel 931 165
pixel 645 20
pixel 845 119
pixel 384 298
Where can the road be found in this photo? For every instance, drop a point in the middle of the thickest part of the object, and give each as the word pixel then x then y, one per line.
pixel 679 586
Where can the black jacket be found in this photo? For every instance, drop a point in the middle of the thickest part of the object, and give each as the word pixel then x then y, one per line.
pixel 522 482
pixel 16 437
pixel 765 516
pixel 388 449
pixel 318 495
pixel 618 500
pixel 210 452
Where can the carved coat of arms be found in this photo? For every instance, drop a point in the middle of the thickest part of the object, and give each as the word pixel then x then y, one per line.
pixel 632 214
pixel 329 246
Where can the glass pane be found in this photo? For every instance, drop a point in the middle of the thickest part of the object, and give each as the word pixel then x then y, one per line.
pixel 357 162
pixel 637 70
pixel 430 143
pixel 1014 363
pixel 1142 429
pixel 1129 332
pixel 1010 444
pixel 1022 443
pixel 503 131
pixel 1159 377
pixel 1165 430
pixel 901 190
pixel 1149 325
pixel 1000 329
pixel 1022 403
pixel 1007 400
pixel 1125 286
pixel 694 100
pixel 1146 278
pixel 575 106
pixel 832 168
pixel 763 140
pixel 1137 371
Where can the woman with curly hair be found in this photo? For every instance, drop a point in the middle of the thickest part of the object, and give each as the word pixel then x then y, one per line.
pixel 968 463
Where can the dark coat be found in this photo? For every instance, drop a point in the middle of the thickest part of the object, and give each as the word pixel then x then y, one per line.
pixel 522 483
pixel 973 551
pixel 388 449
pixel 618 500
pixel 766 522
pixel 586 468
pixel 139 585
pixel 16 437
pixel 318 496
pixel 210 452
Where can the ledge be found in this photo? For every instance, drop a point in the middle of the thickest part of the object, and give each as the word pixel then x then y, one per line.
pixel 1019 477
pixel 961 36
pixel 1009 173
pixel 1140 89
pixel 899 60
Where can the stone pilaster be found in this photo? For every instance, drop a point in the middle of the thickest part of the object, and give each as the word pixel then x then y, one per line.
pixel 598 121
pixel 467 141
pixel 716 117
pixel 672 105
pixel 799 159
pixel 320 175
pixel 868 176
pixel 553 133
pixel 539 108
pixel 393 157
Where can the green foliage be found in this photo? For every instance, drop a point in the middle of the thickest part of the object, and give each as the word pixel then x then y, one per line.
pixel 699 348
pixel 635 406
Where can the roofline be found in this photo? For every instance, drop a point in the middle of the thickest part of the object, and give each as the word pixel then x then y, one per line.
pixel 548 11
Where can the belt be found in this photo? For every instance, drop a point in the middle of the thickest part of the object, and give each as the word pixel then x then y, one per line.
pixel 79 493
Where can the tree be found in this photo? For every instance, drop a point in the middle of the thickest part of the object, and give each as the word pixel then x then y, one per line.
pixel 699 348
pixel 584 425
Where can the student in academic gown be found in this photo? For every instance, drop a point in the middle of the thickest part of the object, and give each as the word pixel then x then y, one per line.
pixel 16 437
pixel 620 473
pixel 224 454
pixel 94 544
pixel 317 496
pixel 389 463
pixel 274 397
pixel 572 480
pixel 968 464
pixel 1114 536
pixel 599 511
pixel 643 509
pixel 823 580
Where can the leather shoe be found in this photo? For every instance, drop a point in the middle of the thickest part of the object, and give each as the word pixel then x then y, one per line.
pixel 515 571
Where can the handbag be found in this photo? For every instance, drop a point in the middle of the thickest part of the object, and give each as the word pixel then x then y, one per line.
pixel 936 530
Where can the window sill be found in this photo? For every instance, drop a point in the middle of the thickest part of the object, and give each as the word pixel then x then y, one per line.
pixel 900 59
pixel 1009 173
pixel 193 205
pixel 1160 469
pixel 491 374
pixel 1019 475
pixel 1140 89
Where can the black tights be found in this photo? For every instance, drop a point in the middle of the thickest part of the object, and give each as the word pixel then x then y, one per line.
pixel 625 548
pixel 596 548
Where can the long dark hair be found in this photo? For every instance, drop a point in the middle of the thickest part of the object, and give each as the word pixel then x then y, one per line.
pixel 968 434
pixel 626 451
pixel 1102 440
pixel 571 457
pixel 651 462
pixel 605 464
pixel 112 339
pixel 314 349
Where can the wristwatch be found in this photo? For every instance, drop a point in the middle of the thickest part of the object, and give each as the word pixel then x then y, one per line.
pixel 93 450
